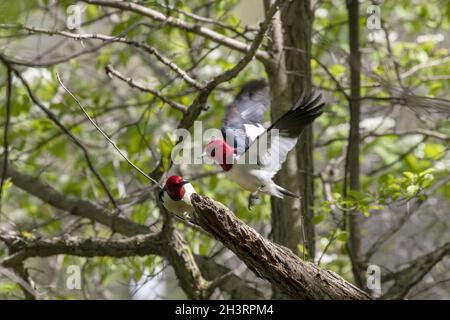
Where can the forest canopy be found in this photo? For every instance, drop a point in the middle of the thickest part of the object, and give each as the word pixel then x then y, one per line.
pixel 77 221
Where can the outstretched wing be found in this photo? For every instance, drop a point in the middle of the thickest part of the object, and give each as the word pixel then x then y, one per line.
pixel 243 118
pixel 270 149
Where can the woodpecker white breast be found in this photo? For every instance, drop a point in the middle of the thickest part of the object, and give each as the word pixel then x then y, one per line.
pixel 176 196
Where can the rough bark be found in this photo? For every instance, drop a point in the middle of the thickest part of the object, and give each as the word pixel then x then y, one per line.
pixel 280 266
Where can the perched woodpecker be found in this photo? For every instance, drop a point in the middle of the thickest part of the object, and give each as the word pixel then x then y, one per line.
pixel 257 176
pixel 176 197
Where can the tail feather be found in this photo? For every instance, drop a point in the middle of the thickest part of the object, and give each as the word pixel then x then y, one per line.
pixel 284 192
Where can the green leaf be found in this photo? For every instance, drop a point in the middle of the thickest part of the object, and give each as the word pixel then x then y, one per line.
pixel 376 207
pixel 337 196
pixel 434 151
pixel 409 175
pixel 425 172
pixel 342 236
pixel 317 219
pixel 412 190
pixel 337 70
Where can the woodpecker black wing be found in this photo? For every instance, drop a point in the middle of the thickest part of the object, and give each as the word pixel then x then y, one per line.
pixel 271 148
pixel 243 118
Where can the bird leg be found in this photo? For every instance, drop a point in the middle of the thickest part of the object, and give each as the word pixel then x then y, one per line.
pixel 253 197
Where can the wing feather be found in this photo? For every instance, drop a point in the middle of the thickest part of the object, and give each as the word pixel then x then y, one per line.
pixel 270 149
pixel 246 111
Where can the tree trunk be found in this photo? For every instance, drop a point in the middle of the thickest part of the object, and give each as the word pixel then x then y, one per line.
pixel 352 161
pixel 286 222
pixel 292 30
pixel 289 76
pixel 297 21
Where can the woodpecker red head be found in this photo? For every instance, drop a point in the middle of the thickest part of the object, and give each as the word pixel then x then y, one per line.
pixel 222 153
pixel 175 187
pixel 176 196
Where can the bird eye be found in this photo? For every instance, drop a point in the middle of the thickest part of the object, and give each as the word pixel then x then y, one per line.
pixel 213 153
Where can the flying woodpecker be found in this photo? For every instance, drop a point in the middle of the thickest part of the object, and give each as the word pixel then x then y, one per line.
pixel 235 159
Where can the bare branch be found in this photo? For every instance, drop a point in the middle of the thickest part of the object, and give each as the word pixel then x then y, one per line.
pixel 6 131
pixel 209 21
pixel 339 86
pixel 74 205
pixel 24 284
pixel 45 64
pixel 140 245
pixel 428 64
pixel 400 158
pixel 177 23
pixel 132 83
pixel 199 103
pixel 110 39
pixel 408 277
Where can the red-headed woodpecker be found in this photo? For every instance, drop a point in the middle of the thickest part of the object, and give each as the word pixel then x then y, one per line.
pixel 256 176
pixel 176 196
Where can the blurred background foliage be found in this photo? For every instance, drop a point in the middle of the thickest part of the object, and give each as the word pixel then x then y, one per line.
pixel 404 145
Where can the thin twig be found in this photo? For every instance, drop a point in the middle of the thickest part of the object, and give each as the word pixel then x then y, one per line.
pixel 6 131
pixel 104 134
pixel 132 83
pixel 111 39
pixel 24 285
pixel 207 20
pixel 222 39
pixel 66 131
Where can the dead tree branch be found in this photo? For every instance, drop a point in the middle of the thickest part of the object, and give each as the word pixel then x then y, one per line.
pixel 280 266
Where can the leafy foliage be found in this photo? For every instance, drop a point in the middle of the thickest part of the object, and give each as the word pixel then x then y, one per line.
pixel 401 161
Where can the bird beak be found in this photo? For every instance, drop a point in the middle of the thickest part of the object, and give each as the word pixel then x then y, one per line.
pixel 202 155
pixel 183 182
